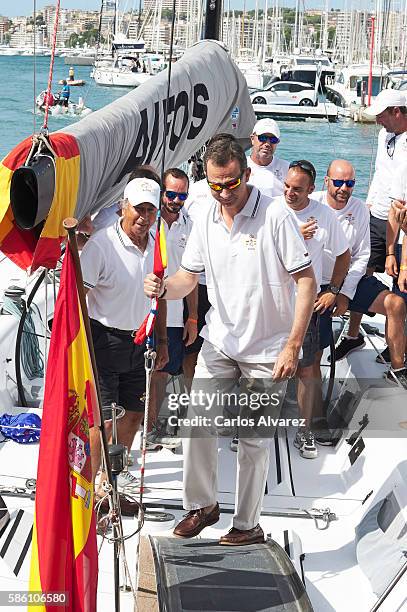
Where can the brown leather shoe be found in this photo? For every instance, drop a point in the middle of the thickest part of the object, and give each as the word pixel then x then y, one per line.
pixel 129 507
pixel 237 537
pixel 195 521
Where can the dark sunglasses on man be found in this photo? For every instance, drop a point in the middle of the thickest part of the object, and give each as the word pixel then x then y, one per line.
pixel 271 139
pixel 232 184
pixel 340 182
pixel 172 195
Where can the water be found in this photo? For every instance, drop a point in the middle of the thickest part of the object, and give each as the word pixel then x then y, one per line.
pixel 317 141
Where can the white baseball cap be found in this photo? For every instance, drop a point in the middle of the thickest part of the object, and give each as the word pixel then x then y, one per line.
pixel 141 190
pixel 386 99
pixel 267 126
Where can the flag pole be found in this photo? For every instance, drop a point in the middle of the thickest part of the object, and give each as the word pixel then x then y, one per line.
pixel 70 224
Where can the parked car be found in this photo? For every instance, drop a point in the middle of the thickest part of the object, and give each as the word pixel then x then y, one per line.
pixel 286 92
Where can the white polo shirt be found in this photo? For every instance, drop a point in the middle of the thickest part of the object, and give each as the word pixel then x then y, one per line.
pixel 106 216
pixel 176 238
pixel 199 198
pixel 114 269
pixel 354 220
pixel 385 167
pixel 329 236
pixel 248 273
pixel 269 179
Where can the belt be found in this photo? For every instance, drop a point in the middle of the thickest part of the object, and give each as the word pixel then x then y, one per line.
pixel 115 330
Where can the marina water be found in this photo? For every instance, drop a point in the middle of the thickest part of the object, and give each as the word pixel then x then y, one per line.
pixel 317 141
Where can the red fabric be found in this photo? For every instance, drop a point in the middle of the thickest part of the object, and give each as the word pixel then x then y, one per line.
pixel 59 570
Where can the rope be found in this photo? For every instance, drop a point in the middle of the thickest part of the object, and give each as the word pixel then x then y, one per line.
pixel 31 360
pixel 51 68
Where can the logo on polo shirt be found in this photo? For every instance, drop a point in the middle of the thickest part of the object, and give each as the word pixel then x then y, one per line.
pixel 278 174
pixel 182 241
pixel 350 218
pixel 251 242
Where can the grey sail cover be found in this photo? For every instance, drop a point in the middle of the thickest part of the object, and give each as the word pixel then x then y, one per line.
pixel 208 95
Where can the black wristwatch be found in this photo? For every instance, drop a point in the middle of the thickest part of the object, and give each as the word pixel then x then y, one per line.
pixel 334 289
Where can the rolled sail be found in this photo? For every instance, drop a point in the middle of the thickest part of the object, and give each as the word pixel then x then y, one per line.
pixel 208 94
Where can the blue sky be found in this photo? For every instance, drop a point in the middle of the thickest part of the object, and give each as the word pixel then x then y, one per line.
pixel 24 7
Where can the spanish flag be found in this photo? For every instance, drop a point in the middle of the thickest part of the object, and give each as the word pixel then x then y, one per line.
pixel 159 266
pixel 24 247
pixel 64 549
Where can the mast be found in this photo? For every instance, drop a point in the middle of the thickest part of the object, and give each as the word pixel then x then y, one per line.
pixel 213 19
pixel 369 82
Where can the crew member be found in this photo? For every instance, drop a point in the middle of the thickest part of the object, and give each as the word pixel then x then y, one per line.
pixel 267 170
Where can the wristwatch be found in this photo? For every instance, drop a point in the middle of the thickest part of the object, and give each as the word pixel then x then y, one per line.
pixel 334 289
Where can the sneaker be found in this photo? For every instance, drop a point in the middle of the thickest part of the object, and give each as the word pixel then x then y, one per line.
pixel 399 377
pixel 324 436
pixel 384 356
pixel 127 483
pixel 348 345
pixel 159 437
pixel 233 444
pixel 305 442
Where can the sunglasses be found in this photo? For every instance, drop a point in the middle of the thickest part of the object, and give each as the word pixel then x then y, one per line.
pixel 340 182
pixel 306 166
pixel 391 145
pixel 229 185
pixel 172 195
pixel 271 139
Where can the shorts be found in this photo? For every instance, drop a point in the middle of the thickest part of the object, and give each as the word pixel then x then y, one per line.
pixel 377 244
pixel 310 346
pixel 176 351
pixel 369 287
pixel 120 364
pixel 395 287
pixel 203 307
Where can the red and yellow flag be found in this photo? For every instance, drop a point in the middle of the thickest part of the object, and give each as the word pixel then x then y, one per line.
pixel 24 247
pixel 159 265
pixel 64 549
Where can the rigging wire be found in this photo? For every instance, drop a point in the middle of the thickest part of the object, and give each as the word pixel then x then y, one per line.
pixel 51 67
pixel 35 70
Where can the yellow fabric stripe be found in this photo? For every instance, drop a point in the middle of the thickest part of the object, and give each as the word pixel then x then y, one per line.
pixel 35 580
pixel 66 192
pixel 163 246
pixel 5 180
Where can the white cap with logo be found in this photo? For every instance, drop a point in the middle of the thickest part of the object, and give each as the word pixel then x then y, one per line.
pixel 385 99
pixel 267 126
pixel 141 190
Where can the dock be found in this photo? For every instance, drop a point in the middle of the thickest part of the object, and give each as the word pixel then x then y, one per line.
pixel 291 112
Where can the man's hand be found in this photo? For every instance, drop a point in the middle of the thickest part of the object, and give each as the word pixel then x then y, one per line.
pixel 286 364
pixel 162 358
pixel 308 229
pixel 400 211
pixel 324 302
pixel 190 332
pixel 391 266
pixel 341 305
pixel 153 285
pixel 402 281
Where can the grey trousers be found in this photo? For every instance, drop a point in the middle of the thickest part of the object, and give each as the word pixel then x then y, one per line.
pixel 217 374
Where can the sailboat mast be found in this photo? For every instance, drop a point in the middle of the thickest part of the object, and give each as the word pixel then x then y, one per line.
pixel 213 19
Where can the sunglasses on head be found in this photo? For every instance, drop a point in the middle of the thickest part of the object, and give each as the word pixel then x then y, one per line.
pixel 229 185
pixel 391 145
pixel 271 139
pixel 304 165
pixel 340 182
pixel 172 195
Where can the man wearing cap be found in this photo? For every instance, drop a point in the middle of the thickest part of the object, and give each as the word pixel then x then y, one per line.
pixel 267 171
pixel 390 110
pixel 114 263
pixel 253 255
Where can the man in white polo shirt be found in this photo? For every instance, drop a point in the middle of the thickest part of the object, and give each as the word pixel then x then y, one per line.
pixel 177 227
pixel 251 252
pixel 267 171
pixel 114 263
pixel 321 232
pixel 390 110
pixel 359 293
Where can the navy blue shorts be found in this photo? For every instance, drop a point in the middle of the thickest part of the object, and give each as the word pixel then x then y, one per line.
pixel 176 351
pixel 203 307
pixel 310 346
pixel 369 287
pixel 395 288
pixel 377 244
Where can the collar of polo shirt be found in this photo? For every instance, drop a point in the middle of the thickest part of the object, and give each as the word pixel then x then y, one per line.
pixel 248 210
